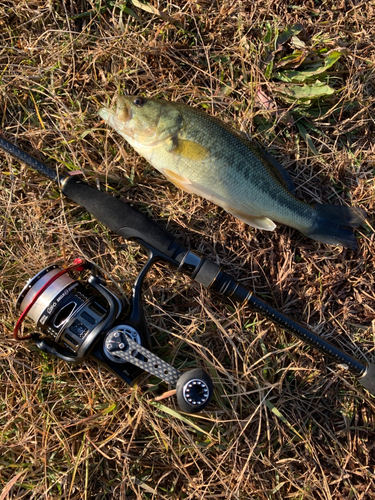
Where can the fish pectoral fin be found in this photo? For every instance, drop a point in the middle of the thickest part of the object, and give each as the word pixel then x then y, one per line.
pixel 188 149
pixel 259 222
pixel 178 180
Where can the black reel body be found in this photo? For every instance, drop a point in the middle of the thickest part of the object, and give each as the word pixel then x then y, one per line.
pixel 77 319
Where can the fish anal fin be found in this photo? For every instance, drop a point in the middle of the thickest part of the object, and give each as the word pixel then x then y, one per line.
pixel 259 222
pixel 188 149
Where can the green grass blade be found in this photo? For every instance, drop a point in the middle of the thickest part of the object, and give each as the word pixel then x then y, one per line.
pixel 306 138
pixel 177 415
pixel 281 417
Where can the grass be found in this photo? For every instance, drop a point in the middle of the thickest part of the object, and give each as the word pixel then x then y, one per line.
pixel 285 423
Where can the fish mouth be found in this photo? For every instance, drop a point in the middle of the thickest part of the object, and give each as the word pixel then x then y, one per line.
pixel 123 110
pixel 124 120
pixel 122 114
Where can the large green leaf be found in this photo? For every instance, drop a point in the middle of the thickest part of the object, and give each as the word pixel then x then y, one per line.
pixel 302 76
pixel 303 94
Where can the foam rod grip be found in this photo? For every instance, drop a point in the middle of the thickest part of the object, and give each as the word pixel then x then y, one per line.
pixel 121 218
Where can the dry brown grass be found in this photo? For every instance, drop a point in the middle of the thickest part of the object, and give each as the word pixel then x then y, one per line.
pixel 285 423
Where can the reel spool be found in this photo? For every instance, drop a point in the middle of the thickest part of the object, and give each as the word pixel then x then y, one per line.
pixel 72 314
pixel 76 319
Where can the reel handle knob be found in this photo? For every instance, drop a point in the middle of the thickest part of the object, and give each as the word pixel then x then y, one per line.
pixel 194 390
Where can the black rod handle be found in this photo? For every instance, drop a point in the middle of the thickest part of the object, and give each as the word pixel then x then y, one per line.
pixel 123 219
pixel 117 215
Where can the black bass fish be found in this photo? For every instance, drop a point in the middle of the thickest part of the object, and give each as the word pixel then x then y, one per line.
pixel 202 155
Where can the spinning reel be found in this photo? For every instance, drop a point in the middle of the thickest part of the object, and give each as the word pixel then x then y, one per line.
pixel 78 318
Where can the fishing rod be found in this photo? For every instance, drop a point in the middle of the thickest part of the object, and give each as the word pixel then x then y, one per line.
pixel 78 319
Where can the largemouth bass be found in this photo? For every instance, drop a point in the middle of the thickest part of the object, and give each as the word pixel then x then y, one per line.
pixel 202 155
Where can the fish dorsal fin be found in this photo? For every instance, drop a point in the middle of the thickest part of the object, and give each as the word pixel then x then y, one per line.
pixel 281 173
pixel 188 149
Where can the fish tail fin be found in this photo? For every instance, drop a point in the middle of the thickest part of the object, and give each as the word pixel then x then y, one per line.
pixel 333 225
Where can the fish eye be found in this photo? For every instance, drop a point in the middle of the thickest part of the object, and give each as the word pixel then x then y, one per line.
pixel 138 101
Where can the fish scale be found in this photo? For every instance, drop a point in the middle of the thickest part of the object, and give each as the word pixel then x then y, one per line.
pixel 203 155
